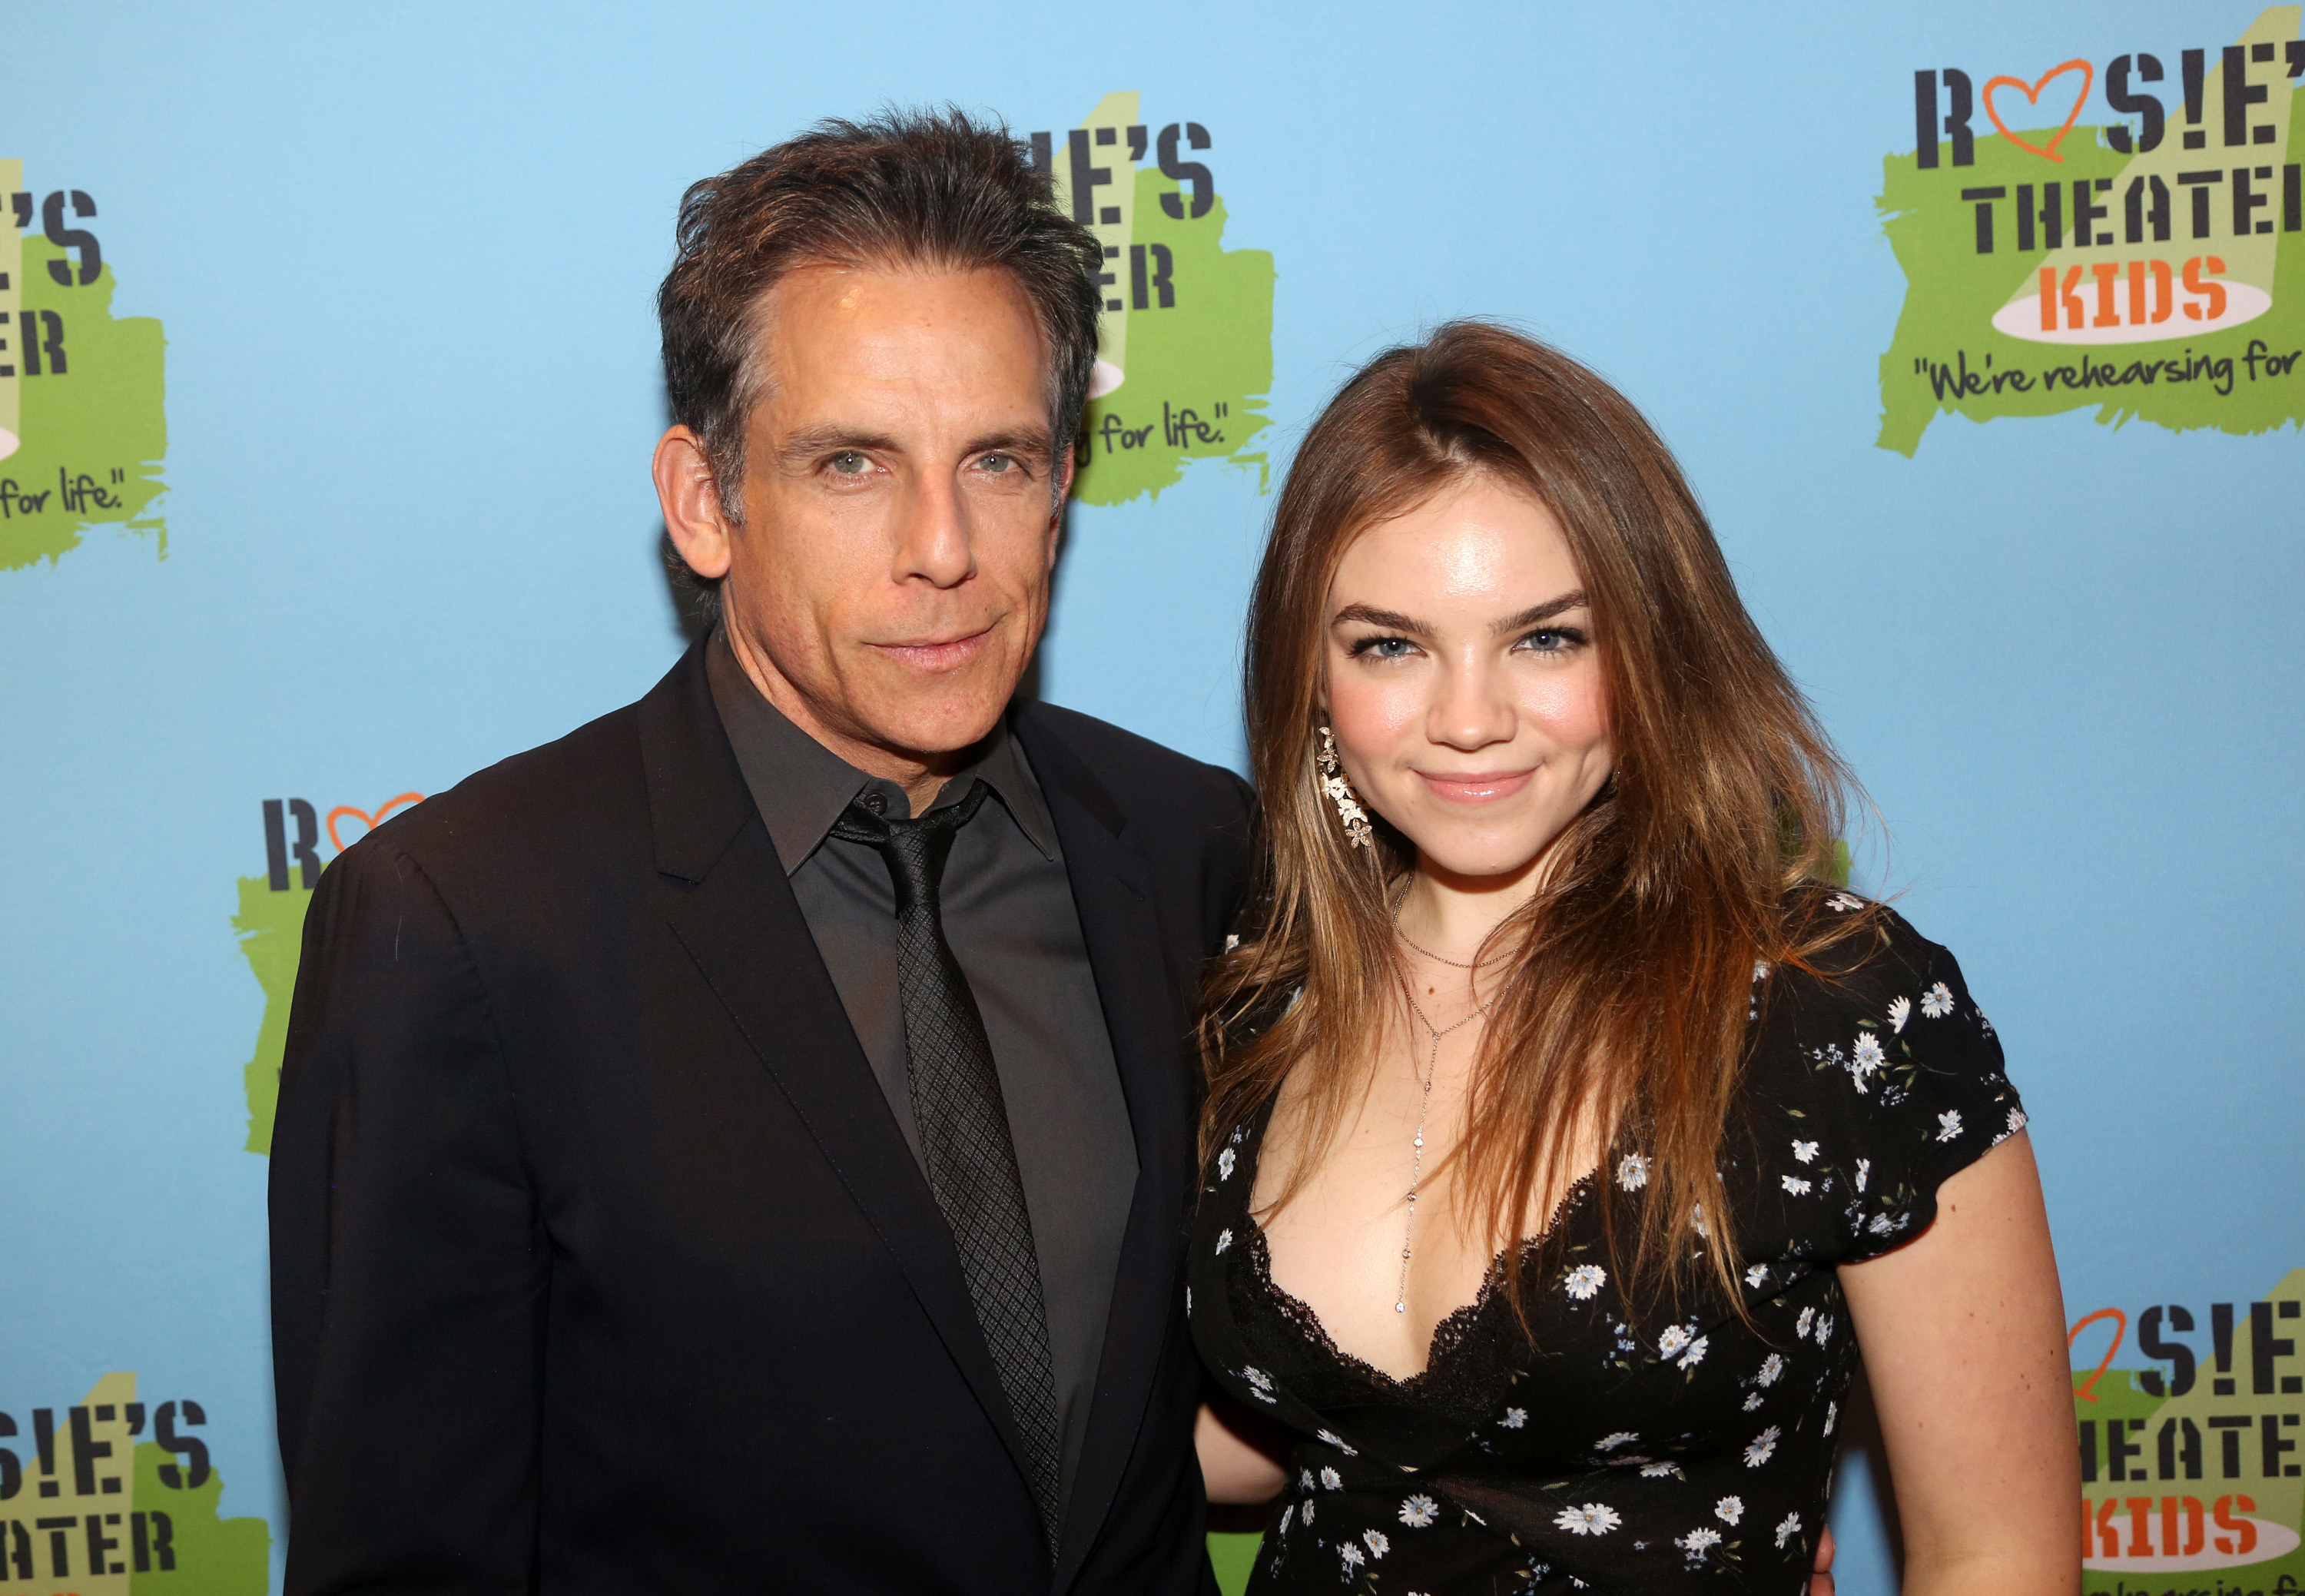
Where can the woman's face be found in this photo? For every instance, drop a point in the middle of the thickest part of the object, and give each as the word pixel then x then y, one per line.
pixel 1462 680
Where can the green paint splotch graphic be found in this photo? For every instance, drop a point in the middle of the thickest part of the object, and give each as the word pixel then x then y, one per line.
pixel 1185 358
pixel 83 428
pixel 270 926
pixel 2166 286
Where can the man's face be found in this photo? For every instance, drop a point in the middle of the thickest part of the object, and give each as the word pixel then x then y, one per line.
pixel 893 567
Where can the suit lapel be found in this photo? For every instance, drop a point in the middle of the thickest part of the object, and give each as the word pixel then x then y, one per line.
pixel 734 912
pixel 1113 896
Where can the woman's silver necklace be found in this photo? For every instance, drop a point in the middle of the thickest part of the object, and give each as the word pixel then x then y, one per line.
pixel 1418 947
pixel 1425 1104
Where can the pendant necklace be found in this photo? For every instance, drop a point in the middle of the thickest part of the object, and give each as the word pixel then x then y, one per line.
pixel 1417 1158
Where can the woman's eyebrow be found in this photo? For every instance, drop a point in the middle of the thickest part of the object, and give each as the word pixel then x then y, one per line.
pixel 1571 600
pixel 1369 615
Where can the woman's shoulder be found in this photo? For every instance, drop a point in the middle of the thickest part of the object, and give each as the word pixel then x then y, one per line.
pixel 1864 963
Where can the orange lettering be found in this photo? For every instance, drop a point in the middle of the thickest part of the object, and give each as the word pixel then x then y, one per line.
pixel 2214 292
pixel 2194 1533
pixel 2106 272
pixel 2244 1530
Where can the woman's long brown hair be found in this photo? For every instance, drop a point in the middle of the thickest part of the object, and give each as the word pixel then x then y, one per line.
pixel 1624 1006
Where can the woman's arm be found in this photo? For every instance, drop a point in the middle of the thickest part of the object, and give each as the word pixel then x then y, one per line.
pixel 1964 1333
pixel 1241 1453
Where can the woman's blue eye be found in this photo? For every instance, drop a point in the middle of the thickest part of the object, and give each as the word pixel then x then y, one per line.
pixel 1554 640
pixel 1383 648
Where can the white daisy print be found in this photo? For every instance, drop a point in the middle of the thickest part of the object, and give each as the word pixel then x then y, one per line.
pixel 1288 1514
pixel 1258 1378
pixel 1695 1354
pixel 1232 940
pixel 1864 1054
pixel 1584 1281
pixel 1308 1514
pixel 1900 1009
pixel 1610 1443
pixel 1936 1003
pixel 1419 1511
pixel 1305 1478
pixel 1662 1471
pixel 1224 1164
pixel 1760 969
pixel 1591 1519
pixel 1843 902
pixel 1800 1325
pixel 1832 1416
pixel 1376 1541
pixel 1755 1276
pixel 1224 1239
pixel 1514 1418
pixel 1633 1171
pixel 1331 1481
pixel 1337 1441
pixel 1351 1555
pixel 2017 1120
pixel 1824 1329
pixel 1882 1224
pixel 1729 1509
pixel 1696 1219
pixel 1794 1184
pixel 1697 1542
pixel 1763 1447
pixel 1949 1124
pixel 1669 1343
pixel 1771 1368
pixel 1753 1402
pixel 1803 1152
pixel 1788 1530
pixel 1864 1172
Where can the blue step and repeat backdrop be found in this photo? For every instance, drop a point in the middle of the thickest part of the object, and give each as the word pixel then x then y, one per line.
pixel 326 404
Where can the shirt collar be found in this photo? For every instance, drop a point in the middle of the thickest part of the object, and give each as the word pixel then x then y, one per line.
pixel 800 786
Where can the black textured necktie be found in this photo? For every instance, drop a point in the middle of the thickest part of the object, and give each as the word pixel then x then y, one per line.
pixel 964 1127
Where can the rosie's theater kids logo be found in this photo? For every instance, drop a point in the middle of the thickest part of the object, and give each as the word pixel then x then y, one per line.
pixel 2103 233
pixel 1185 359
pixel 81 431
pixel 2193 1436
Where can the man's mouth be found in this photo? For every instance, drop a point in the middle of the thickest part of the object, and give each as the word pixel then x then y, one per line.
pixel 935 656
pixel 1474 787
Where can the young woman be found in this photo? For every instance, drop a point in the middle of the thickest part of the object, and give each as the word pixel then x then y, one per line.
pixel 1568 1135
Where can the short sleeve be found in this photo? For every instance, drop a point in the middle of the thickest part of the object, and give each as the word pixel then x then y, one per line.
pixel 1887 1079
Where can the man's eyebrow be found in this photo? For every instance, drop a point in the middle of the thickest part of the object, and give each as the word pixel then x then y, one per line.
pixel 1537 613
pixel 1391 619
pixel 813 442
pixel 1035 443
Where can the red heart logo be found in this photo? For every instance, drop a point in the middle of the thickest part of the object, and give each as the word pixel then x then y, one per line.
pixel 2033 96
pixel 2087 1393
pixel 371 821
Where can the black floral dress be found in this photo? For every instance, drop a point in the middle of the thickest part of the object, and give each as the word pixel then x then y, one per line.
pixel 1625 1451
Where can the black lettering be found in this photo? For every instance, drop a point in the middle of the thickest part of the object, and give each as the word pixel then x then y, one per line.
pixel 1204 188
pixel 2088 1427
pixel 12 1472
pixel 91 257
pixel 2269 1427
pixel 1087 177
pixel 1162 279
pixel 2292 212
pixel 101 1546
pixel 2086 215
pixel 2150 1343
pixel 308 862
pixel 86 1450
pixel 163 1541
pixel 44 1438
pixel 1983 197
pixel 2172 1453
pixel 2240 95
pixel 195 1451
pixel 2136 214
pixel 59 1549
pixel 2190 65
pixel 2198 182
pixel 2246 200
pixel 2147 107
pixel 16 1550
pixel 1104 279
pixel 275 843
pixel 2118 1448
pixel 1957 114
pixel 28 324
pixel 1925 124
pixel 2262 1349
pixel 2221 1329
pixel 2229 1451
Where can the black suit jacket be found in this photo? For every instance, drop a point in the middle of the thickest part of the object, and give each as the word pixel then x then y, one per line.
pixel 599 1261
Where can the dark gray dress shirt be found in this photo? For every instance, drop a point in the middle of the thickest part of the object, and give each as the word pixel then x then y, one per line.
pixel 1009 913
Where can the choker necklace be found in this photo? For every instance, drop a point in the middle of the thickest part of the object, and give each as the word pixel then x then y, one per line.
pixel 1417 1156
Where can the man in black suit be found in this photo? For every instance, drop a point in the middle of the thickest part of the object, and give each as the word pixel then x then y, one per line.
pixel 747 1144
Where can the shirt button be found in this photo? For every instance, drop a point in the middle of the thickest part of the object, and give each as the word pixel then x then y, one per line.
pixel 876 802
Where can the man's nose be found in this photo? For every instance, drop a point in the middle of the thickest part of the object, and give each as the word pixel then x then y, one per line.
pixel 933 543
pixel 1471 707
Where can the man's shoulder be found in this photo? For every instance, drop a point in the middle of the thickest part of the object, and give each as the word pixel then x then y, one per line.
pixel 562 799
pixel 1138 774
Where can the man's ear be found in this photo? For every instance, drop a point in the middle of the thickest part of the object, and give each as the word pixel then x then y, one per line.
pixel 690 497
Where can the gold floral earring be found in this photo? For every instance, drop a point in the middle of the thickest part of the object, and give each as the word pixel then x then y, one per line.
pixel 1341 792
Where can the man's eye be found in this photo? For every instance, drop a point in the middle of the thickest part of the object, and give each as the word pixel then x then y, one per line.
pixel 997 462
pixel 849 462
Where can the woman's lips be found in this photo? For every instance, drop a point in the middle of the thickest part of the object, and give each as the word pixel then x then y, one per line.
pixel 1481 789
pixel 935 658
